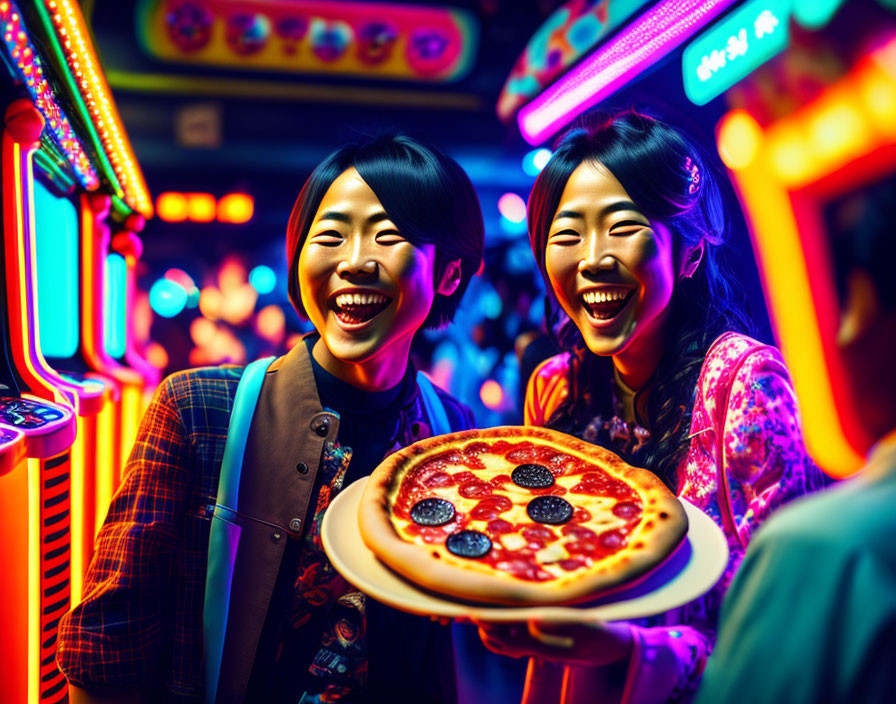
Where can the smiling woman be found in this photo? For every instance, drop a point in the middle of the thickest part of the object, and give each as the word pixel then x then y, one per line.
pixel 627 227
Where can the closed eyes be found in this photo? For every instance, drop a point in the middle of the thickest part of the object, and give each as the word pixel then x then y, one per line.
pixel 388 237
pixel 327 238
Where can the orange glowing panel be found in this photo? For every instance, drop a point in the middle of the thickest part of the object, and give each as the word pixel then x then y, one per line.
pixel 785 174
pixel 171 207
pixel 201 207
pixel 236 208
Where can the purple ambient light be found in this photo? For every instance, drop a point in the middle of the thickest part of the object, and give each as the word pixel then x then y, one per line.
pixel 646 40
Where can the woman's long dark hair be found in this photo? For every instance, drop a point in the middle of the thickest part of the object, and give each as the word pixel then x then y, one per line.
pixel 670 181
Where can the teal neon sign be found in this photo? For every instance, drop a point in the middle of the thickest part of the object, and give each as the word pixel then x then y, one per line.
pixel 114 305
pixel 735 47
pixel 56 239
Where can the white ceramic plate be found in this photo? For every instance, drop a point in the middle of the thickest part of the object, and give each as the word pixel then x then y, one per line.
pixel 690 572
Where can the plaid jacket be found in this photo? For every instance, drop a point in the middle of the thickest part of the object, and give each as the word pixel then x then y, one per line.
pixel 139 625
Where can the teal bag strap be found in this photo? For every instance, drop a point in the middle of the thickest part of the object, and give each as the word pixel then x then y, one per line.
pixel 435 409
pixel 224 534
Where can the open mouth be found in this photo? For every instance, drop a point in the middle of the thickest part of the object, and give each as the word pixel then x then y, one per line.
pixel 358 308
pixel 606 303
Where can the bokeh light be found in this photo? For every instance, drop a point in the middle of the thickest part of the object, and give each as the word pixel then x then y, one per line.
pixel 271 323
pixel 263 279
pixel 201 207
pixel 236 208
pixel 535 161
pixel 739 137
pixel 156 355
pixel 512 207
pixel 210 302
pixel 171 207
pixel 492 394
pixel 179 276
pixel 167 298
pixel 202 331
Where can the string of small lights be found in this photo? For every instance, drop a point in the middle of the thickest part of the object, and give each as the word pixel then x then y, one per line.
pixel 30 68
pixel 69 25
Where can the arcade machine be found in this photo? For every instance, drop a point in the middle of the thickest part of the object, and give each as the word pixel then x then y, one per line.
pixel 801 96
pixel 68 177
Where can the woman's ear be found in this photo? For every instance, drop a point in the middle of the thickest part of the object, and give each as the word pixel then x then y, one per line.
pixel 693 257
pixel 450 278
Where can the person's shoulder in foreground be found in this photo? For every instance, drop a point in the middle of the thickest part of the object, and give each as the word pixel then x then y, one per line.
pixel 811 616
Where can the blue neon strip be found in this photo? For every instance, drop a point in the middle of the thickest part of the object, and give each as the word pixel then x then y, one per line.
pixel 114 309
pixel 56 235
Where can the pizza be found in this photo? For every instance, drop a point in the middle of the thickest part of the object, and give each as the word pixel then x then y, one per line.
pixel 518 516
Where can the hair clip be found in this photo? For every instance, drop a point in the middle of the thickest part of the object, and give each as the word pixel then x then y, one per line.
pixel 693 175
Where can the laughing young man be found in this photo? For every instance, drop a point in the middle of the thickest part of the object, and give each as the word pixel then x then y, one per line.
pixel 382 242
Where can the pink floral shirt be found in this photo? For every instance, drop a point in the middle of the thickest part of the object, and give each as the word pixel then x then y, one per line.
pixel 746 458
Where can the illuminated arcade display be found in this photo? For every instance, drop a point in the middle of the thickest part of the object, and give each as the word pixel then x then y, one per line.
pixel 372 40
pixel 69 406
pixel 635 48
pixel 785 173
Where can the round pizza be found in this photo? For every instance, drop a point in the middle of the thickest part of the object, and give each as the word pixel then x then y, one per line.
pixel 518 516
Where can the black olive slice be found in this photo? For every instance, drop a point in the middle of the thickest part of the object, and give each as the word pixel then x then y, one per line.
pixel 549 509
pixel 532 476
pixel 468 543
pixel 432 512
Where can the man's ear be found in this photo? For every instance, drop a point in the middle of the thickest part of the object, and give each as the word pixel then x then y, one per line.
pixel 692 258
pixel 861 308
pixel 450 279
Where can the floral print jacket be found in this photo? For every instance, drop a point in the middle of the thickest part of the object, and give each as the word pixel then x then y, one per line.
pixel 746 458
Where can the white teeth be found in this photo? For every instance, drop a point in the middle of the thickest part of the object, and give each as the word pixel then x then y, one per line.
pixel 604 296
pixel 359 299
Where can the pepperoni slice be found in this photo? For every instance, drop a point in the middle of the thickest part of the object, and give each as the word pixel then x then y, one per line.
pixel 499 526
pixel 490 507
pixel 475 489
pixel 432 512
pixel 539 533
pixel 532 476
pixel 549 509
pixel 626 509
pixel 468 543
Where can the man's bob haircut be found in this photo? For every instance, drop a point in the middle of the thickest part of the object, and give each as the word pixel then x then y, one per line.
pixel 425 193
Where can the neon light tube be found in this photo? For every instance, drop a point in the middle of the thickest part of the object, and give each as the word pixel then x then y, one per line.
pixel 644 42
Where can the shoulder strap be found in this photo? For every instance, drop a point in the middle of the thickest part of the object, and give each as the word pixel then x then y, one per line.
pixel 435 409
pixel 222 541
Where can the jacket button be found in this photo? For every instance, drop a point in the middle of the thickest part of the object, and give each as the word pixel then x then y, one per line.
pixel 321 426
pixel 295 525
pixel 276 536
pixel 302 468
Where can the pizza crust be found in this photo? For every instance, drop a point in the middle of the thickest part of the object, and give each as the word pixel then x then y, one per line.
pixel 662 527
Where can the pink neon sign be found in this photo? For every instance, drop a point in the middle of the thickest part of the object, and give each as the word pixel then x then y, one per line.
pixel 644 42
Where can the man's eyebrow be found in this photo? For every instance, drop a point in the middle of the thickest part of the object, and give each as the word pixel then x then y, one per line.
pixel 334 215
pixel 567 214
pixel 378 217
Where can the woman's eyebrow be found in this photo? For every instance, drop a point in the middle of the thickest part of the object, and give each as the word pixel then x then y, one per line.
pixel 334 215
pixel 619 206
